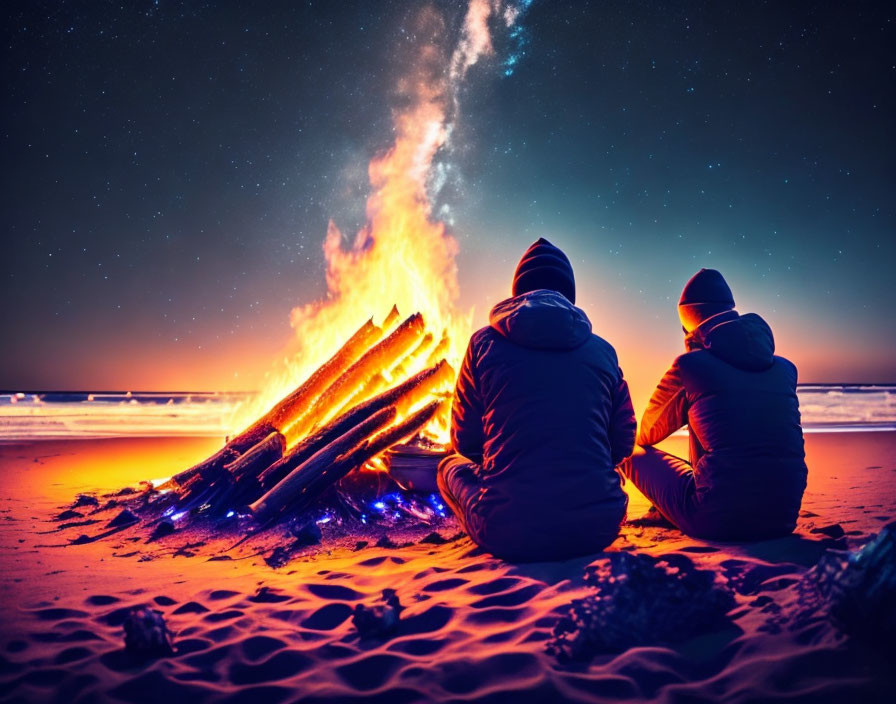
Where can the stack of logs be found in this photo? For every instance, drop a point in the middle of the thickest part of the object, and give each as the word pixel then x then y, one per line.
pixel 344 415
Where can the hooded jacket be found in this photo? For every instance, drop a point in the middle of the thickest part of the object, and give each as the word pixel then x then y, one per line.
pixel 746 445
pixel 542 407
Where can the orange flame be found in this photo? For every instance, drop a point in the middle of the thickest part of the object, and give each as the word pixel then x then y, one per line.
pixel 403 255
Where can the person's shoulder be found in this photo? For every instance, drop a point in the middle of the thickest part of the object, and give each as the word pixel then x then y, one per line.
pixel 482 334
pixel 604 347
pixel 786 364
pixel 691 359
pixel 481 338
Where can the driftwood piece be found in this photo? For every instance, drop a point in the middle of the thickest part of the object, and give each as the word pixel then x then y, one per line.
pixel 207 467
pixel 402 397
pixel 316 482
pixel 378 357
pixel 285 412
pixel 294 486
pixel 391 436
pixel 259 458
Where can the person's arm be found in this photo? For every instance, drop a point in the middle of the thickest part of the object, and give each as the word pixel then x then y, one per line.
pixel 622 423
pixel 467 437
pixel 667 410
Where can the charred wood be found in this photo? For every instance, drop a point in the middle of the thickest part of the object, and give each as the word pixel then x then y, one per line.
pixel 378 357
pixel 290 407
pixel 402 396
pixel 294 487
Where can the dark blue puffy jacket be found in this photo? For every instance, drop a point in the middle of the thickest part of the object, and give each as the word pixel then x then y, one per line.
pixel 542 407
pixel 739 402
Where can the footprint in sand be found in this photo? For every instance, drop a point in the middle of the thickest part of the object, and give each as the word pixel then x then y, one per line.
pixel 16 646
pixel 444 584
pixel 188 646
pixel 101 600
pixel 509 598
pixel 327 617
pixel 58 614
pixel 834 530
pixel 496 585
pixel 81 634
pixel 476 567
pixel 432 619
pixel 265 595
pixel 72 654
pixel 375 561
pixel 286 663
pixel 159 688
pixel 223 616
pixel 501 636
pixel 419 646
pixel 209 657
pixel 220 594
pixel 370 672
pixel 335 651
pixel 495 615
pixel 333 592
pixel 463 676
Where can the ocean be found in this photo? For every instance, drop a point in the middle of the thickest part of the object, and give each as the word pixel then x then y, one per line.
pixel 59 415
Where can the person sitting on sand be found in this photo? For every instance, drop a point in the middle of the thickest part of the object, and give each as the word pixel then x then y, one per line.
pixel 541 417
pixel 747 469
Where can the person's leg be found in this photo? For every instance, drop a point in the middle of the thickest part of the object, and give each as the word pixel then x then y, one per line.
pixel 458 485
pixel 667 481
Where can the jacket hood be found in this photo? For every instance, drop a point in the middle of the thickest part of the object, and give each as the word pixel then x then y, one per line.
pixel 541 319
pixel 743 341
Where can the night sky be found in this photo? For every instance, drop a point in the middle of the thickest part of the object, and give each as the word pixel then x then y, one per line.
pixel 169 171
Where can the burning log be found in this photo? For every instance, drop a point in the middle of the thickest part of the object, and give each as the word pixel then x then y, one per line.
pixel 286 411
pixel 400 369
pixel 378 381
pixel 402 397
pixel 351 450
pixel 439 350
pixel 376 358
pixel 369 450
pixel 298 479
pixel 216 483
pixel 259 458
pixel 328 426
pixel 373 385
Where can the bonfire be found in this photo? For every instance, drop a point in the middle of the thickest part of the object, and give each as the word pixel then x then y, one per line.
pixel 387 384
pixel 357 405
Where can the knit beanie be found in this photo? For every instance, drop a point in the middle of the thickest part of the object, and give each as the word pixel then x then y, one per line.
pixel 544 266
pixel 705 295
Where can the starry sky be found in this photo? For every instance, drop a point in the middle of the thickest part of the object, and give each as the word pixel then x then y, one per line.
pixel 170 170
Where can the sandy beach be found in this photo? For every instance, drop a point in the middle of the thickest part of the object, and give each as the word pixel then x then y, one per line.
pixel 473 629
